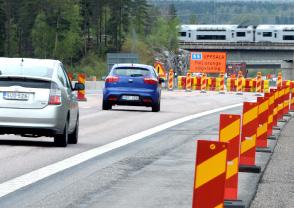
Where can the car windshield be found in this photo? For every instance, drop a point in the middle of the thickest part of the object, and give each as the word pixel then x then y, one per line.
pixel 131 71
pixel 35 71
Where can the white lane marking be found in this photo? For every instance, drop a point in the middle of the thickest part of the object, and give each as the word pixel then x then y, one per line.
pixel 39 174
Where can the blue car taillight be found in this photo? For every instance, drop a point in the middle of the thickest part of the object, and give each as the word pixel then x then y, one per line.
pixel 152 81
pixel 111 79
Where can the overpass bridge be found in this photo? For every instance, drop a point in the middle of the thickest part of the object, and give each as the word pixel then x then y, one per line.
pixel 265 55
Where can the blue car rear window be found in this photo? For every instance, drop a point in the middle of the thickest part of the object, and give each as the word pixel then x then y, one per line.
pixel 131 71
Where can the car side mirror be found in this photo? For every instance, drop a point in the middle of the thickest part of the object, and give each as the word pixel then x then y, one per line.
pixel 161 80
pixel 79 86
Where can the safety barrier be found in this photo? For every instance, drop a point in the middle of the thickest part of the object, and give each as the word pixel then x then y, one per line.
pixel 81 96
pixel 219 162
pixel 170 79
pixel 188 82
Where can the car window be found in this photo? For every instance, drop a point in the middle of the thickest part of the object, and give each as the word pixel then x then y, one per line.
pixel 131 71
pixel 68 82
pixel 18 70
pixel 62 77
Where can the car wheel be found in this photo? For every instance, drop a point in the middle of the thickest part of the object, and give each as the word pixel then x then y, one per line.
pixel 156 107
pixel 61 140
pixel 106 105
pixel 74 136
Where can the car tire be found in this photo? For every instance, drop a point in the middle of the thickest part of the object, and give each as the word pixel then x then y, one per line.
pixel 106 105
pixel 156 107
pixel 61 140
pixel 74 136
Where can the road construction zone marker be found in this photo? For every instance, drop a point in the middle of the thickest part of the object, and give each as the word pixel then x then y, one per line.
pixel 286 100
pixel 171 79
pixel 229 131
pixel 275 114
pixel 258 83
pixel 239 83
pixel 248 138
pixel 271 102
pixel 221 83
pixel 81 93
pixel 203 83
pixel 279 80
pixel 261 141
pixel 210 174
pixel 188 82
pixel 281 103
pixel 292 96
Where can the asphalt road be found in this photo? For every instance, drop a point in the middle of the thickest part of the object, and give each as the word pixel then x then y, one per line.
pixel 154 172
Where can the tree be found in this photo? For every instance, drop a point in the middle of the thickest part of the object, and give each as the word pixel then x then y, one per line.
pixel 2 28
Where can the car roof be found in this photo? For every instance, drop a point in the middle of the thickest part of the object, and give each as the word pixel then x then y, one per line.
pixel 132 65
pixel 50 63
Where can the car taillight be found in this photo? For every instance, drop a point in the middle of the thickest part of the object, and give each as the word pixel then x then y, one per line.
pixel 55 95
pixel 111 79
pixel 151 81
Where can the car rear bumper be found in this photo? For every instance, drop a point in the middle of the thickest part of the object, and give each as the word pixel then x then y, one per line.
pixel 146 97
pixel 47 121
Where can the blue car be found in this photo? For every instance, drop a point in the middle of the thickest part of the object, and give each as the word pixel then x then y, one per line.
pixel 134 85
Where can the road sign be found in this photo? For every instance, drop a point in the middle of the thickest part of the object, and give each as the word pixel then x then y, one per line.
pixel 208 62
pixel 160 69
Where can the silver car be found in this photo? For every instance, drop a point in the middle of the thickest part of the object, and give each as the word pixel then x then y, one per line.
pixel 37 99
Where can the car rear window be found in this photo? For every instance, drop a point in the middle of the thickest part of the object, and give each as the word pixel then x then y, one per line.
pixel 131 71
pixel 35 71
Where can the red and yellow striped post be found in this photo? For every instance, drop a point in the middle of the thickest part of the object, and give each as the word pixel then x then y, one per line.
pixel 171 79
pixel 229 131
pixel 281 103
pixel 239 83
pixel 203 83
pixel 188 82
pixel 271 105
pixel 248 138
pixel 81 93
pixel 258 83
pixel 279 80
pixel 70 76
pixel 261 141
pixel 275 113
pixel 222 83
pixel 286 100
pixel 292 96
pixel 210 174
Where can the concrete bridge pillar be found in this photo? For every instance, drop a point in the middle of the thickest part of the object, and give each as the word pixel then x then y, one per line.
pixel 287 70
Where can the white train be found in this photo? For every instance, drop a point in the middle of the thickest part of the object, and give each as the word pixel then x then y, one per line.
pixel 237 33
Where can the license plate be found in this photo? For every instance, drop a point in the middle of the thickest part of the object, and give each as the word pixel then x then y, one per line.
pixel 130 97
pixel 15 96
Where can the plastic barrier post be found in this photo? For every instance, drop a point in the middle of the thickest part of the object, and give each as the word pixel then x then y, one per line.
pixel 286 100
pixel 222 83
pixel 229 131
pixel 210 174
pixel 281 103
pixel 248 138
pixel 292 96
pixel 258 84
pixel 279 80
pixel 171 79
pixel 261 142
pixel 81 93
pixel 271 102
pixel 188 82
pixel 239 83
pixel 203 83
pixel 275 113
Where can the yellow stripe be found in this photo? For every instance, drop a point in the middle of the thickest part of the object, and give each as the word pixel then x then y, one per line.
pixel 220 206
pixel 230 132
pixel 262 129
pixel 248 143
pixel 232 167
pixel 275 111
pixel 270 119
pixel 280 107
pixel 263 107
pixel 211 168
pixel 250 115
pixel 271 100
pixel 286 103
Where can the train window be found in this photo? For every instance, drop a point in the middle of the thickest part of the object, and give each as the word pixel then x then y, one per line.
pixel 288 37
pixel 275 35
pixel 189 35
pixel 232 35
pixel 211 37
pixel 267 34
pixel 241 34
pixel 183 34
